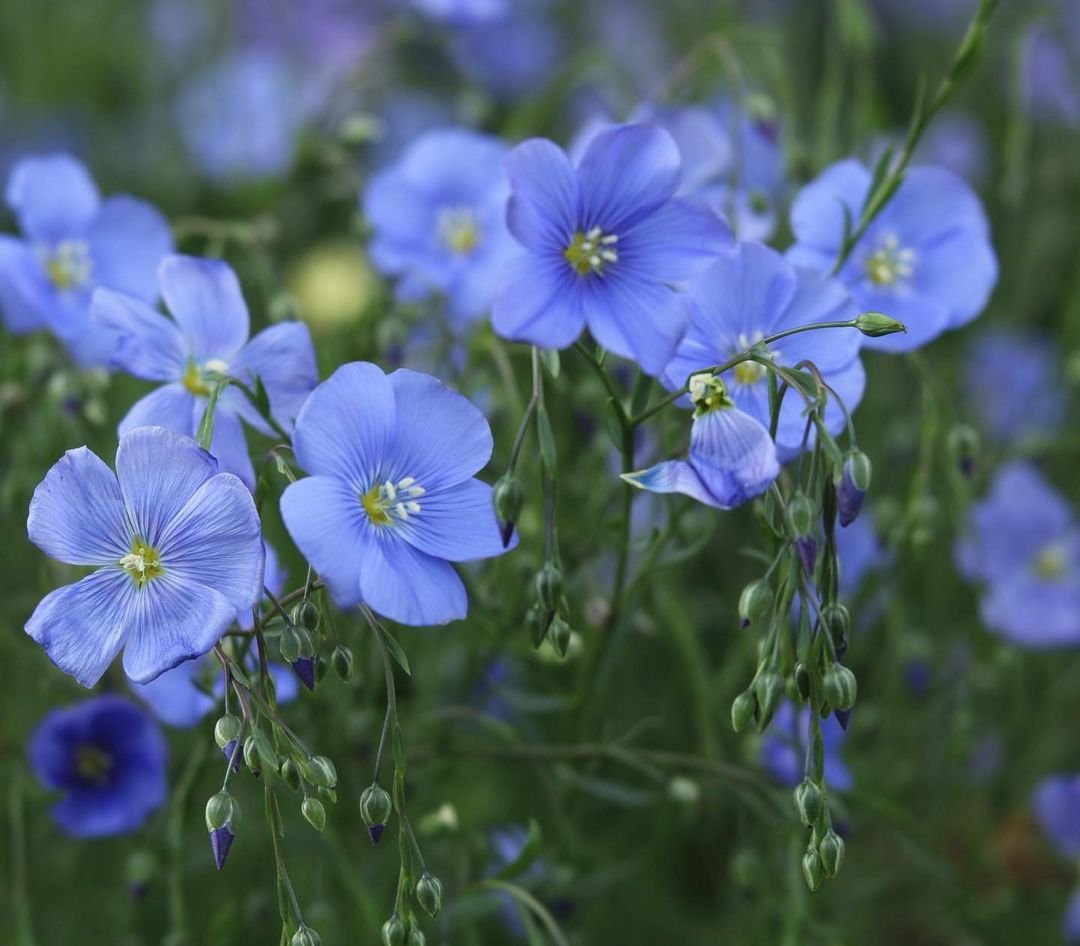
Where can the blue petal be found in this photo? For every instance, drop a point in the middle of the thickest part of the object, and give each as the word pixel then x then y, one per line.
pixel 626 174
pixel 77 513
pixel 733 454
pixel 848 383
pixel 53 196
pixel 933 203
pixel 23 292
pixel 170 406
pixel 346 424
pixel 1032 612
pixel 537 301
pixel 817 215
pixel 229 446
pixel 159 471
pixel 149 345
pixel 401 215
pixel 128 240
pixel 326 521
pixel 673 476
pixel 635 318
pixel 925 318
pixel 442 438
pixel 274 578
pixel 204 298
pixel 408 586
pixel 216 540
pixel 676 242
pixel 457 524
pixel 175 697
pixel 1056 804
pixel 82 627
pixel 959 273
pixel 283 357
pixel 543 210
pixel 818 298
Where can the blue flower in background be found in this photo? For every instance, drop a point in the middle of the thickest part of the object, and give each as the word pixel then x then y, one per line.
pixel 1056 804
pixel 439 219
pixel 604 242
pixel 463 12
pixel 731 459
pixel 1023 545
pixel 783 748
pixel 861 553
pixel 73 241
pixel 754 292
pixel 1050 72
pixel 509 57
pixel 176 546
pixel 925 260
pixel 392 498
pixel 1013 384
pixel 206 336
pixel 109 760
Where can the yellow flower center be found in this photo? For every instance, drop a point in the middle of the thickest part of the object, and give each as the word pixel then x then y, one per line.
pixel 93 764
pixel 200 379
pixel 458 230
pixel 69 266
pixel 592 252
pixel 142 563
pixel 387 501
pixel 1051 562
pixel 890 263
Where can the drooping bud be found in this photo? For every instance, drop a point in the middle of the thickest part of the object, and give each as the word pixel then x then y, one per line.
pixel 304 668
pixel 375 806
pixel 808 802
pixel 742 710
pixel 840 687
pixel 342 659
pixel 289 644
pixel 226 730
pixel 851 490
pixel 306 936
pixel 801 510
pixel 802 681
pixel 393 932
pixel 843 717
pixel 768 689
pixel 755 601
pixel 221 841
pixel 314 813
pixel 537 620
pixel 831 852
pixel 429 894
pixel 963 446
pixel 290 774
pixel 812 869
pixel 837 620
pixel 222 815
pixel 416 937
pixel 509 497
pixel 229 750
pixel 876 325
pixel 559 634
pixel 549 584
pixel 251 756
pixel 306 615
pixel 320 771
pixel 141 868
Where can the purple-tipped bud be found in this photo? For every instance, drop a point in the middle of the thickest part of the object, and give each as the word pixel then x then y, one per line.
pixel 221 840
pixel 228 751
pixel 375 832
pixel 806 546
pixel 852 487
pixel 305 670
pixel 843 717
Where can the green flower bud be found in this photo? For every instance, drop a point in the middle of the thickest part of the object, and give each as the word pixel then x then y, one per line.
pixel 289 644
pixel 342 659
pixel 322 666
pixel 755 602
pixel 831 852
pixel 838 620
pixel 801 510
pixel 768 688
pixel 808 802
pixel 537 620
pixel 429 894
pixel 306 615
pixel 860 469
pixel 305 936
pixel 840 687
pixel 416 937
pixel 812 869
pixel 963 446
pixel 742 710
pixel 226 730
pixel 875 325
pixel 251 756
pixel 393 932
pixel 375 807
pixel 320 771
pixel 559 633
pixel 307 647
pixel 802 681
pixel 221 810
pixel 314 813
pixel 290 774
pixel 509 498
pixel 549 583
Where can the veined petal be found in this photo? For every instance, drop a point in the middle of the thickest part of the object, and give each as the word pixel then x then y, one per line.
pixel 346 424
pixel 537 301
pixel 53 197
pixel 229 445
pixel 818 298
pixel 409 586
pixel 676 242
pixel 673 476
pixel 204 298
pixel 23 292
pixel 171 406
pixel 149 344
pixel 817 215
pixel 128 239
pixel 457 524
pixel 543 210
pixel 159 471
pixel 82 627
pixel 174 697
pixel 283 357
pixel 733 454
pixel 77 513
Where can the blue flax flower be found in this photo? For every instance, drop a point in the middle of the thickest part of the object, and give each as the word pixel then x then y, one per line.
pixel 925 260
pixel 604 242
pixel 463 12
pixel 754 292
pixel 1023 545
pixel 176 546
pixel 392 498
pixel 439 219
pixel 731 459
pixel 207 336
pixel 783 748
pixel 109 760
pixel 73 241
pixel 1056 804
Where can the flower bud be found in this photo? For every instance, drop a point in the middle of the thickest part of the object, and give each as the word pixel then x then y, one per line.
pixel 393 932
pixel 290 774
pixel 305 936
pixel 963 446
pixel 812 869
pixel 875 325
pixel 304 668
pixel 801 510
pixel 851 489
pixel 416 937
pixel 289 644
pixel 509 497
pixel 314 813
pixel 537 620
pixel 375 806
pixel 559 634
pixel 755 602
pixel 831 852
pixel 802 681
pixel 840 687
pixel 549 583
pixel 742 710
pixel 221 840
pixel 808 802
pixel 806 546
pixel 222 814
pixel 320 771
pixel 306 615
pixel 251 756
pixel 429 894
pixel 768 689
pixel 226 730
pixel 342 660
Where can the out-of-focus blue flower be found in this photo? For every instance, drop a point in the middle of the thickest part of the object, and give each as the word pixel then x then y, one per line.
pixel 176 546
pixel 1050 73
pixel 392 497
pixel 731 458
pixel 1013 384
pixel 925 260
pixel 1023 545
pixel 754 292
pixel 207 336
pixel 463 12
pixel 1056 803
pixel 73 241
pixel 178 28
pixel 439 218
pixel 605 240
pixel 861 553
pixel 403 116
pixel 509 57
pixel 783 748
pixel 107 758
pixel 241 118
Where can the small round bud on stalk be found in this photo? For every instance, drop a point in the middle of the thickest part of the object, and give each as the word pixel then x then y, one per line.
pixel 140 870
pixel 801 510
pixel 851 490
pixel 509 498
pixel 306 936
pixel 802 681
pixel 768 688
pixel 393 932
pixel 226 730
pixel 342 660
pixel 963 445
pixel 537 620
pixel 755 602
pixel 838 621
pixel 222 815
pixel 742 710
pixel 429 894
pixel 290 774
pixel 831 852
pixel 840 687
pixel 924 514
pixel 375 807
pixel 809 802
pixel 306 615
pixel 812 869
pixel 549 585
pixel 876 325
pixel 251 756
pixel 314 813
pixel 416 937
pixel 559 634
pixel 320 771
pixel 289 644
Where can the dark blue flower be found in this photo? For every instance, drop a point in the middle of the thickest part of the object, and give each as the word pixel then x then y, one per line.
pixel 783 748
pixel 1023 546
pixel 925 260
pixel 206 336
pixel 392 497
pixel 753 292
pixel 439 219
pixel 73 241
pixel 604 242
pixel 176 546
pixel 108 758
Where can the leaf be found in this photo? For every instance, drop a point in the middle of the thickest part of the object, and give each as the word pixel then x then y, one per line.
pixel 205 434
pixel 639 398
pixel 546 437
pixel 395 651
pixel 549 357
pixel 525 856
